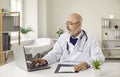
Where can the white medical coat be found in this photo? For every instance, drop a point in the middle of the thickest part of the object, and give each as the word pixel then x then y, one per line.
pixel 83 51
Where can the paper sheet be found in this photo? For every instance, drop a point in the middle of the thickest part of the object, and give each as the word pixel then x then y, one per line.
pixel 67 69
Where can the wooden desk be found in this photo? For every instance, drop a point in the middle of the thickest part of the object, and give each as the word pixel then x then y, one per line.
pixel 11 70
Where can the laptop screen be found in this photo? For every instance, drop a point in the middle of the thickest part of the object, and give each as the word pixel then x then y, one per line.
pixel 19 56
pixel 24 60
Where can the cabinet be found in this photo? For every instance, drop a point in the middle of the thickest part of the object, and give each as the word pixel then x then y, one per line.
pixel 9 22
pixel 111 38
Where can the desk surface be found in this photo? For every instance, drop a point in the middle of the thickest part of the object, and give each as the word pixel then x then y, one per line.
pixel 11 70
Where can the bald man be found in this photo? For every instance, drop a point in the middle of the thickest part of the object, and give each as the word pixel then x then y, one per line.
pixel 75 46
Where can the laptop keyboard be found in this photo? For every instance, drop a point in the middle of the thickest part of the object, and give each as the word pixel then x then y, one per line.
pixel 37 67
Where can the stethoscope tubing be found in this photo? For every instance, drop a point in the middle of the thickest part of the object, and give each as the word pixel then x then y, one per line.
pixel 84 34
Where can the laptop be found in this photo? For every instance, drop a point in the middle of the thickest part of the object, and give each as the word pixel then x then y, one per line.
pixel 22 61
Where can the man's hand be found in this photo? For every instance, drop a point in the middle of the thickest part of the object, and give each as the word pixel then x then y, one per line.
pixel 41 62
pixel 82 66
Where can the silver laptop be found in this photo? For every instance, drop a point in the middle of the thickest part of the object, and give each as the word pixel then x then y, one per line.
pixel 22 60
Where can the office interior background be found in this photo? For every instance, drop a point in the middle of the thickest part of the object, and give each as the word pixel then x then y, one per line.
pixel 45 17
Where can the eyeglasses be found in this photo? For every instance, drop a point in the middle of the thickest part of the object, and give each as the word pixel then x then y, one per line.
pixel 71 23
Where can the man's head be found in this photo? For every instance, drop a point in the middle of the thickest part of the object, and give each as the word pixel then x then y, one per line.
pixel 74 23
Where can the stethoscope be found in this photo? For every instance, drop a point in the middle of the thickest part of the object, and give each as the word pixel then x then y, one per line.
pixel 84 34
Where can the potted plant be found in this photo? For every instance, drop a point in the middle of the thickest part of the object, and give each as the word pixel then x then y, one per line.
pixel 25 30
pixel 60 31
pixel 96 68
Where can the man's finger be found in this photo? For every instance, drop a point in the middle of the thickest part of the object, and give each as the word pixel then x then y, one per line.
pixel 77 68
pixel 84 68
pixel 33 63
pixel 42 62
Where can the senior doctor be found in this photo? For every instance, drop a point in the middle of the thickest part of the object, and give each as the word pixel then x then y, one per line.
pixel 76 46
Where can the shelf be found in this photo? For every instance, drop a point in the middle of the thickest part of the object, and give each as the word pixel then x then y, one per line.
pixel 111 39
pixel 9 31
pixel 9 22
pixel 108 29
pixel 111 19
pixel 7 51
pixel 111 48
pixel 113 57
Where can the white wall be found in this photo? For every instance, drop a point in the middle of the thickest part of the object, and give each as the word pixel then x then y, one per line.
pixel 30 17
pixel 42 18
pixel 91 10
pixel 5 4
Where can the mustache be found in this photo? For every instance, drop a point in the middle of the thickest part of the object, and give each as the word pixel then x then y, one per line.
pixel 73 33
pixel 76 31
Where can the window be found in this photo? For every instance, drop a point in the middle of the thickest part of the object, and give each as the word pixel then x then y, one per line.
pixel 17 6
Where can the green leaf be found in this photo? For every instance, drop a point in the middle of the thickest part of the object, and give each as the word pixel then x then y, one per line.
pixel 96 64
pixel 25 30
pixel 60 31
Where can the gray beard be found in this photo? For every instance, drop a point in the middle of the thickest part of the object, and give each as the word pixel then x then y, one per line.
pixel 73 33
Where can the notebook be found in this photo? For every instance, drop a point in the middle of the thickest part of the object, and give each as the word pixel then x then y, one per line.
pixel 22 61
